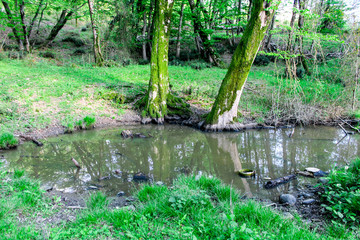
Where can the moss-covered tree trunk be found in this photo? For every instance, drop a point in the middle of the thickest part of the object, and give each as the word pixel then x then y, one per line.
pixel 156 102
pixel 99 60
pixel 226 104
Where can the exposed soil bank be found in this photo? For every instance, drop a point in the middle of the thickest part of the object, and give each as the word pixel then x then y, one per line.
pixel 133 117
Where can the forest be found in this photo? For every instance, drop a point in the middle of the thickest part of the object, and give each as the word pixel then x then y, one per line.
pixel 145 72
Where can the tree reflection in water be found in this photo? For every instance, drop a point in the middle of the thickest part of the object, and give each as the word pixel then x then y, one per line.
pixel 174 150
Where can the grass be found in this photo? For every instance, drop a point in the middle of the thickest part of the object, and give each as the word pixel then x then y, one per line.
pixel 37 93
pixel 7 140
pixel 193 208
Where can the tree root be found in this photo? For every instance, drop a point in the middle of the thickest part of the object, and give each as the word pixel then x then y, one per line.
pixel 177 110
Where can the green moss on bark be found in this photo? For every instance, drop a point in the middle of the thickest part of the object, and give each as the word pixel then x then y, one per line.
pixel 226 103
pixel 156 105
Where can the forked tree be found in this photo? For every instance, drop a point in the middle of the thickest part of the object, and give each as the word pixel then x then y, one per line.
pixel 225 108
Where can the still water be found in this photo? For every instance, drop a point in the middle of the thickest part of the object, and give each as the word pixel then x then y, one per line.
pixel 177 149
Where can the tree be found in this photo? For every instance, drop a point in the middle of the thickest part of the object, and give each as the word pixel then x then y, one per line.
pixel 226 104
pixel 99 60
pixel 158 91
pixel 209 52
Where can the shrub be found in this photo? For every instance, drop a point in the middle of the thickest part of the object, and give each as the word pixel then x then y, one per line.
pixel 342 194
pixel 76 41
pixel 261 60
pixel 199 65
pixel 7 140
pixel 89 122
pixel 47 54
pixel 79 52
pixel 143 62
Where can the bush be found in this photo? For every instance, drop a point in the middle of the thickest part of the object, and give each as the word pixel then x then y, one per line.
pixel 76 41
pixel 47 54
pixel 89 122
pixel 342 194
pixel 7 140
pixel 199 65
pixel 261 60
pixel 79 52
pixel 143 62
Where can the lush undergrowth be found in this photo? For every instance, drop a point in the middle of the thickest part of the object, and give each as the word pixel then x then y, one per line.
pixel 193 208
pixel 342 194
pixel 37 92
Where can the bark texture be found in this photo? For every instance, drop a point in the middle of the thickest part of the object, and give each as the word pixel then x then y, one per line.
pixel 208 52
pixel 158 93
pixel 64 17
pixel 99 59
pixel 226 104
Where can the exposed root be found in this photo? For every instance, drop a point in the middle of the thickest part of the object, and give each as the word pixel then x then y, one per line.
pixel 232 127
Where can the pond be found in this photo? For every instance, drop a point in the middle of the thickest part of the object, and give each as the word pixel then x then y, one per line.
pixel 174 150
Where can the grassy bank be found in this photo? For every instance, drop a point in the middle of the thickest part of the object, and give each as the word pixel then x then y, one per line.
pixel 192 208
pixel 37 93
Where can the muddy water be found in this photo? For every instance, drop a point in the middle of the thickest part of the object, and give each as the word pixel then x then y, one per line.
pixel 175 149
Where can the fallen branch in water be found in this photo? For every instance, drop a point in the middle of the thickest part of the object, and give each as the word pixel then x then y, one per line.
pixel 354 128
pixel 27 138
pixel 75 162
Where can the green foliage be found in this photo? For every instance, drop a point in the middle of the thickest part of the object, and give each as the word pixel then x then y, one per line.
pixel 7 140
pixel 89 121
pixel 342 194
pixel 262 60
pixel 97 201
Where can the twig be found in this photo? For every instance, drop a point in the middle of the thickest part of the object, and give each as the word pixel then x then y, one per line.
pixel 292 133
pixel 75 207
pixel 341 139
pixel 350 126
pixel 346 133
pixel 75 162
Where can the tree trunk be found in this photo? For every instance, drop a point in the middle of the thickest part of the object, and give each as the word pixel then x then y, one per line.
pixel 23 25
pixel 226 104
pixel 268 40
pixel 144 38
pixel 290 61
pixel 210 54
pixel 99 60
pixel 179 30
pixel 64 17
pixel 41 18
pixel 112 23
pixel 238 18
pixel 13 25
pixel 34 18
pixel 250 9
pixel 156 102
pixel 299 37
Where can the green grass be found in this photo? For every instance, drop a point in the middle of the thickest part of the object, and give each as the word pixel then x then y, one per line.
pixel 35 92
pixel 7 140
pixel 193 208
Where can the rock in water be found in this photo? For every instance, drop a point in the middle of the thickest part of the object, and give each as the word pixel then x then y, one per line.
pixel 140 176
pixel 287 198
pixel 127 134
pixel 121 193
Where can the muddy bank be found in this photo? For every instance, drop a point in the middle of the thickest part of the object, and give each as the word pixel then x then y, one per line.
pixel 133 117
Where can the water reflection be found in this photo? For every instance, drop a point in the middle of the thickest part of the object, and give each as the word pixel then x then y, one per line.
pixel 175 149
